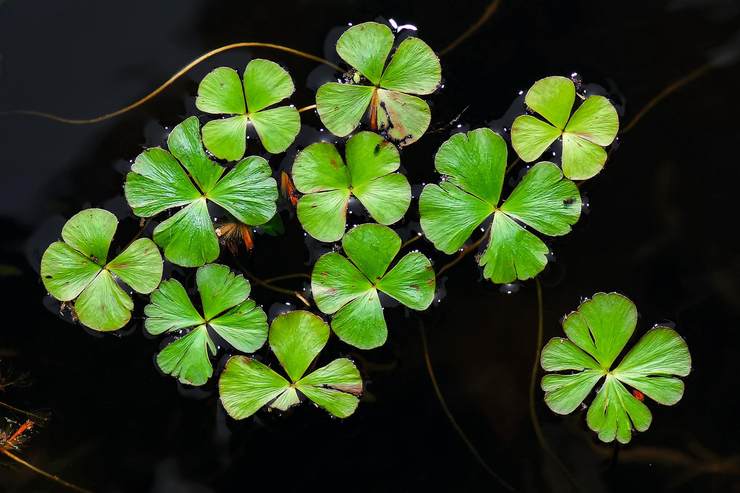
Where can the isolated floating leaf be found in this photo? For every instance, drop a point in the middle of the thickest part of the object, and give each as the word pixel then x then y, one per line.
pixel 348 289
pixel 76 269
pixel 597 334
pixel 265 83
pixel 226 310
pixel 474 165
pixel 320 173
pixel 413 69
pixel 159 182
pixel 593 126
pixel 296 338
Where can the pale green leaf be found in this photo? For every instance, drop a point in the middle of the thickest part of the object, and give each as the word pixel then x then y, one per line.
pixel 342 106
pixel 246 385
pixel 220 289
pixel 370 156
pixel 139 266
pixel 248 191
pixel 90 232
pixel 187 358
pixel 530 137
pixel 244 327
pixel 545 201
pixel 297 338
pixel 103 305
pixel 184 142
pixel 323 215
pixel 564 393
pixel 319 168
pixel 360 323
pixel 265 83
pixel 411 281
pixel 170 309
pixel 553 98
pixel 188 238
pixel 386 198
pixel 413 69
pixel 335 281
pixel 66 272
pixel 366 47
pixel 596 120
pixel 513 252
pixel 221 92
pixel 581 159
pixel 404 118
pixel 334 387
pixel 277 128
pixel 226 138
pixel 371 247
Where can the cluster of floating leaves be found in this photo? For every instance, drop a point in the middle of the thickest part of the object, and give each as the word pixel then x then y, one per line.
pixel 207 164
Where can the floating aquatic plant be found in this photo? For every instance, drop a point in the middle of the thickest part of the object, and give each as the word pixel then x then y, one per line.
pixel 413 69
pixel 592 127
pixel 320 173
pixel 226 309
pixel 296 338
pixel 265 84
pixel 160 180
pixel 597 333
pixel 77 270
pixel 348 287
pixel 474 165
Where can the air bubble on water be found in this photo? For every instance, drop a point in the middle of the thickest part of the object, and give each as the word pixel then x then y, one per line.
pixel 510 288
pixel 520 92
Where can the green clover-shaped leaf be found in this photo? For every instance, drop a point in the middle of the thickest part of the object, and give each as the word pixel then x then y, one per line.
pixel 77 268
pixel 160 180
pixel 348 288
pixel 221 92
pixel 296 338
pixel 597 333
pixel 474 165
pixel 328 184
pixel 413 69
pixel 226 310
pixel 592 127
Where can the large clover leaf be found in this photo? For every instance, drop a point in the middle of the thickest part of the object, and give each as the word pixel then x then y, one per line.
pixel 413 69
pixel 77 268
pixel 348 289
pixel 592 127
pixel 265 84
pixel 474 165
pixel 160 180
pixel 296 338
pixel 597 333
pixel 328 183
pixel 226 310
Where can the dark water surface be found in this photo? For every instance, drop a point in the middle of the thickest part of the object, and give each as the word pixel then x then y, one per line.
pixel 661 229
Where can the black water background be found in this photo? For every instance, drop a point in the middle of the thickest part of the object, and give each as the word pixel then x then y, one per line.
pixel 661 229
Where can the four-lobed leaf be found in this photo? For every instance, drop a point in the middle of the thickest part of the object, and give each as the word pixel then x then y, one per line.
pixel 348 287
pixel 597 333
pixel 328 183
pixel 225 309
pixel 296 338
pixel 392 92
pixel 474 165
pixel 264 84
pixel 77 269
pixel 186 178
pixel 592 127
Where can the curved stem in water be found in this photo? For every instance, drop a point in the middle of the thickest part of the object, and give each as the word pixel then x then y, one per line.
pixel 47 475
pixel 490 10
pixel 465 251
pixel 533 385
pixel 451 418
pixel 171 80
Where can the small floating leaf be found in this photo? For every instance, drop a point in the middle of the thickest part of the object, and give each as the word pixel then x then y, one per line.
pixel 592 127
pixel 265 83
pixel 395 110
pixel 159 181
pixel 348 289
pixel 296 338
pixel 597 334
pixel 321 174
pixel 77 269
pixel 226 310
pixel 474 164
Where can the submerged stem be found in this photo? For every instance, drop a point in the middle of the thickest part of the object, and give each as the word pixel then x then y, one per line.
pixel 490 10
pixel 451 418
pixel 667 91
pixel 465 251
pixel 284 277
pixel 171 80
pixel 410 241
pixel 22 411
pixel 307 108
pixel 533 385
pixel 37 470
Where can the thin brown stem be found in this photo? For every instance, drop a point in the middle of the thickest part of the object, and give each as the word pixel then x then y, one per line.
pixel 307 108
pixel 37 470
pixel 451 417
pixel 465 251
pixel 269 286
pixel 667 91
pixel 410 241
pixel 175 77
pixel 297 275
pixel 23 411
pixel 490 10
pixel 533 385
